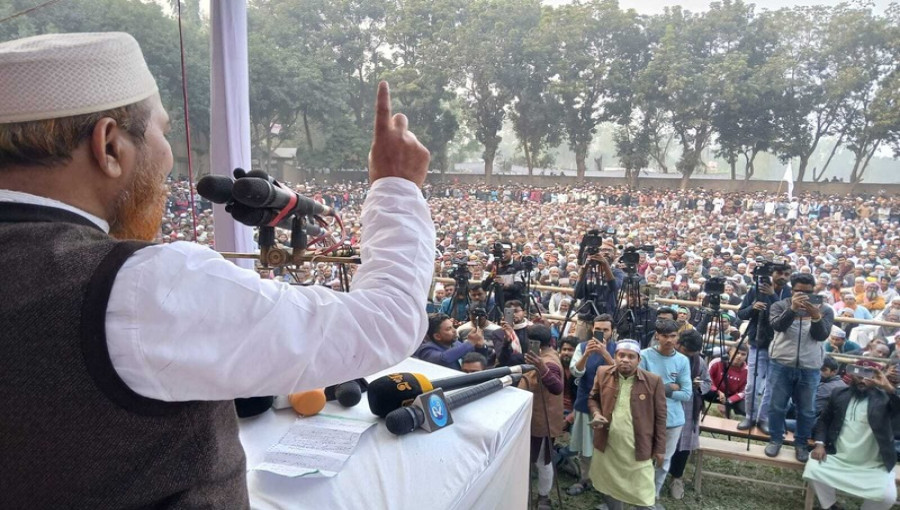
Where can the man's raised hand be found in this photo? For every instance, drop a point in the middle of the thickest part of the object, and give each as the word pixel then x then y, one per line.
pixel 396 152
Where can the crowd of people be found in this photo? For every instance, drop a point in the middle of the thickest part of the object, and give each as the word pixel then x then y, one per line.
pixel 787 268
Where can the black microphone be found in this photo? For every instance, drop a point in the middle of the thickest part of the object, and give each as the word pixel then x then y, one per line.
pixel 392 391
pixel 215 188
pixel 254 217
pixel 260 193
pixel 407 419
pixel 348 394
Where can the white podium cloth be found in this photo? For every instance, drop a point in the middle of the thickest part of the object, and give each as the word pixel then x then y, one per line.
pixel 478 462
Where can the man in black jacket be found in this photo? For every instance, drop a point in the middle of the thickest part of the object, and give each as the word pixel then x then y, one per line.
pixel 755 308
pixel 855 441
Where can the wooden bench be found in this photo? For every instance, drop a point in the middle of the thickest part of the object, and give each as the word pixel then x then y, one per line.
pixel 737 450
pixel 728 428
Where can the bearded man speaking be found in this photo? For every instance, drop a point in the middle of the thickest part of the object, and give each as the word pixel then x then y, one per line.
pixel 121 358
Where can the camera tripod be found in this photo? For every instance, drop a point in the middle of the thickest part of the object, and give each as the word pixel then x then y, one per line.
pixel 712 341
pixel 633 314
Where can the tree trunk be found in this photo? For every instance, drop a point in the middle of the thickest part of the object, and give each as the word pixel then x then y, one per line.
pixel 528 162
pixel 801 173
pixel 580 165
pixel 488 155
pixel 307 131
pixel 733 163
pixel 690 158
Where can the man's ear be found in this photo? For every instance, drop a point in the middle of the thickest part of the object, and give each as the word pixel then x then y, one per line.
pixel 108 143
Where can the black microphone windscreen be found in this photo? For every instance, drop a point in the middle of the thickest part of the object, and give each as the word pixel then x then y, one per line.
pixel 253 191
pixel 404 420
pixel 348 394
pixel 215 188
pixel 395 390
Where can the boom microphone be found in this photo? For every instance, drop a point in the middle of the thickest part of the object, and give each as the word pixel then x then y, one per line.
pixel 407 419
pixel 215 188
pixel 397 390
pixel 260 193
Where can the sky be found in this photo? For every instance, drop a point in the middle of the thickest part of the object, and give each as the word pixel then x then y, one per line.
pixel 656 6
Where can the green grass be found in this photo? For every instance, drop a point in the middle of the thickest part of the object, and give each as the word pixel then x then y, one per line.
pixel 717 493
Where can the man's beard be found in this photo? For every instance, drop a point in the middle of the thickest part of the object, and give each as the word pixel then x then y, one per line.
pixel 139 208
pixel 565 360
pixel 859 390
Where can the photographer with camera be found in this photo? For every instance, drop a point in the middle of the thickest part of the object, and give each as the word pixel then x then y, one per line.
pixel 771 286
pixel 478 320
pixel 507 278
pixel 801 323
pixel 598 280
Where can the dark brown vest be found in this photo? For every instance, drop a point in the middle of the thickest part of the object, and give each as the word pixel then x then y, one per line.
pixel 73 435
pixel 552 403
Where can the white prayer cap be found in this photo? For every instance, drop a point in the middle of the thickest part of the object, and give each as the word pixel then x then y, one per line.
pixel 60 75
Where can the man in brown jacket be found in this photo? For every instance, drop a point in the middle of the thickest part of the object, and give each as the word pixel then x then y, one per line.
pixel 546 382
pixel 628 410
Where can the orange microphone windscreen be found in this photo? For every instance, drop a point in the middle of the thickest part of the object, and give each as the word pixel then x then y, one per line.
pixel 308 403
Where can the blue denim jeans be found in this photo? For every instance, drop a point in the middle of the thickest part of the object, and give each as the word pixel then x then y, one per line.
pixel 755 391
pixel 786 383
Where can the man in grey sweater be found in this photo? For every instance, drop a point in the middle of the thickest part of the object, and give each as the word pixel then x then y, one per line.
pixel 796 355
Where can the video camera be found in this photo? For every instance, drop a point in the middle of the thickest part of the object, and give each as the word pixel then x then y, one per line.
pixel 590 245
pixel 631 255
pixel 497 250
pixel 762 273
pixel 714 288
pixel 461 272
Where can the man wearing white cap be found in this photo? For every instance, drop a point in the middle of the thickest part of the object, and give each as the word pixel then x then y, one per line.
pixel 121 358
pixel 628 410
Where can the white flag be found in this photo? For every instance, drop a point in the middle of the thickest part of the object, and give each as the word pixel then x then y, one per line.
pixel 789 178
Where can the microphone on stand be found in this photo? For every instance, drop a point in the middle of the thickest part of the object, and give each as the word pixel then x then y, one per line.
pixel 259 193
pixel 397 390
pixel 431 411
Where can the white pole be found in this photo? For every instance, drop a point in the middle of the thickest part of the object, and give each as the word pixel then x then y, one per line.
pixel 229 108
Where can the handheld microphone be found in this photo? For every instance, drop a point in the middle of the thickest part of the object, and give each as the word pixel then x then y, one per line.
pixel 397 390
pixel 215 188
pixel 348 394
pixel 431 412
pixel 260 193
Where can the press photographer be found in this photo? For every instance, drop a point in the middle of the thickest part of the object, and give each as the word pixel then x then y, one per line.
pixel 769 285
pixel 598 280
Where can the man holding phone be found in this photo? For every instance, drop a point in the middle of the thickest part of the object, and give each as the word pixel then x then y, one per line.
pixel 546 383
pixel 795 357
pixel 854 441
pixel 589 356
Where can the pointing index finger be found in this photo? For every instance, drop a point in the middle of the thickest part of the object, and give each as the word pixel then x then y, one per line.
pixel 382 109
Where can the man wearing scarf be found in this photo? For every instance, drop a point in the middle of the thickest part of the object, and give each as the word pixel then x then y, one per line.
pixel 855 442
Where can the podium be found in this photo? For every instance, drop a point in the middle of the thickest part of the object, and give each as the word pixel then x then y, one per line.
pixel 479 462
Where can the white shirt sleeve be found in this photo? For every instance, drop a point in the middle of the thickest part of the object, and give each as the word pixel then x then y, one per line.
pixel 185 324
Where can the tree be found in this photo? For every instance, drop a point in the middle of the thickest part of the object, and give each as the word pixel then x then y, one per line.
pixel 809 107
pixel 423 33
pixel 589 39
pixel 866 70
pixel 490 38
pixel 743 114
pixel 684 71
pixel 533 111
